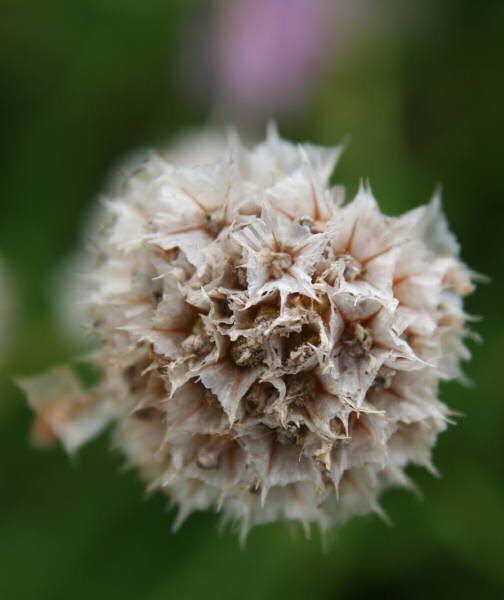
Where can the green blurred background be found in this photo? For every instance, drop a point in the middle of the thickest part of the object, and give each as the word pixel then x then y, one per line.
pixel 419 87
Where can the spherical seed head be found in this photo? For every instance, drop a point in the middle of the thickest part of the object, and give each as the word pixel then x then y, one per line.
pixel 265 349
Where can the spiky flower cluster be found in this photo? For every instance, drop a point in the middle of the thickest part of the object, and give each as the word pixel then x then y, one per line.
pixel 266 349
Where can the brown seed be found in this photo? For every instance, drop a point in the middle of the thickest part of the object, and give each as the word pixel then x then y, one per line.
pixel 224 308
pixel 298 348
pixel 257 396
pixel 241 276
pixel 337 426
pixel 199 344
pixel 149 413
pixel 291 435
pixel 265 313
pixel 383 379
pixel 357 340
pixel 286 437
pixel 247 352
pixel 301 388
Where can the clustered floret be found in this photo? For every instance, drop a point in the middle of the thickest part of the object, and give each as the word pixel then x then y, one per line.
pixel 266 348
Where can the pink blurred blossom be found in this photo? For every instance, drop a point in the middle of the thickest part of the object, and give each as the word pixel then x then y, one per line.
pixel 270 53
pixel 254 59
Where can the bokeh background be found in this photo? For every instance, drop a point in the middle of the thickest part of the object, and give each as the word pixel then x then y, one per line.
pixel 418 87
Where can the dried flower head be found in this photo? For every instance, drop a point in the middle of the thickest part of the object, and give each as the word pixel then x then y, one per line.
pixel 266 349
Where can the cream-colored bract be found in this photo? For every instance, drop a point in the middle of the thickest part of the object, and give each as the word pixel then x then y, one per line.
pixel 266 349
